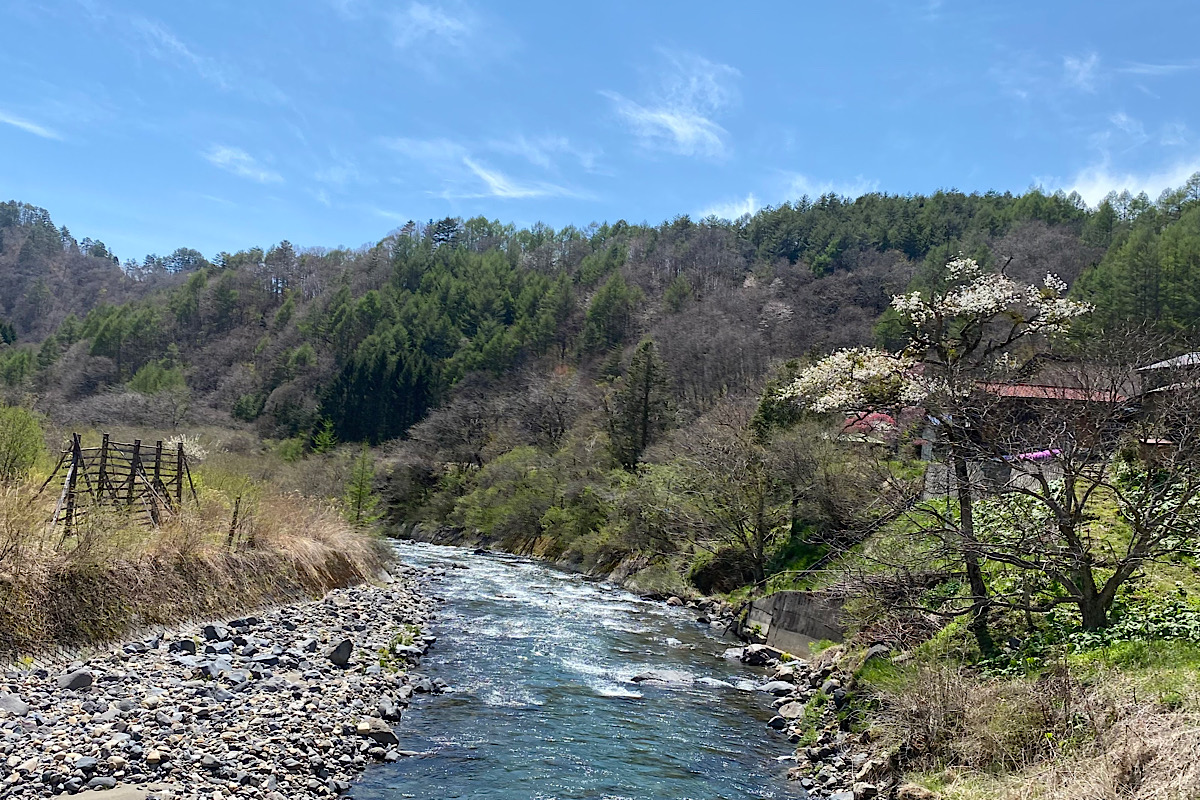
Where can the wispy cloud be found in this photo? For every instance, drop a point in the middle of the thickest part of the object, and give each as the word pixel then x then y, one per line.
pixel 425 149
pixel 679 115
pixel 1174 134
pixel 1172 68
pixel 500 185
pixel 340 174
pixel 1082 72
pixel 544 151
pixel 1094 182
pixel 240 163
pixel 465 176
pixel 421 24
pixel 802 185
pixel 158 41
pixel 733 209
pixel 28 127
pixel 164 45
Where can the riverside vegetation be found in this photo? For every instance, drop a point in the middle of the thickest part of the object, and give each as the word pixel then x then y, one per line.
pixel 639 401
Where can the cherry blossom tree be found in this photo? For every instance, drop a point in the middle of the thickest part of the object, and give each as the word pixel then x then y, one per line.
pixel 959 334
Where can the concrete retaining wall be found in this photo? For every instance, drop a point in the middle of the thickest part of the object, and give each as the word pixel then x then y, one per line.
pixel 794 620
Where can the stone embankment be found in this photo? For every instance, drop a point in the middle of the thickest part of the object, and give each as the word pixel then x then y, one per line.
pixel 291 704
pixel 833 763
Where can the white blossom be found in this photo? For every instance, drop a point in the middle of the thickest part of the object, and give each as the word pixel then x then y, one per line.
pixel 859 377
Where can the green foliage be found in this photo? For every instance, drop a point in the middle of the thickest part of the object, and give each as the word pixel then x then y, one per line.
pixel 608 315
pixel 360 501
pixel 324 439
pixel 641 408
pixel 678 292
pixel 21 442
pixel 153 378
pixel 510 497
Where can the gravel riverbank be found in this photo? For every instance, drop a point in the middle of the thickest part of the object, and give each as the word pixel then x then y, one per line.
pixel 286 705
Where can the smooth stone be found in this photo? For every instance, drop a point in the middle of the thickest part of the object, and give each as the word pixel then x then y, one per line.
pixel 13 704
pixel 80 679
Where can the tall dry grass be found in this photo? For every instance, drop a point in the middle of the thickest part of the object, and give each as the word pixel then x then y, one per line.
pixel 111 577
pixel 1043 739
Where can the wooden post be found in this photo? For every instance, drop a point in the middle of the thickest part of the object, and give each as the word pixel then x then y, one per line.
pixel 72 477
pixel 158 464
pixel 179 475
pixel 134 464
pixel 237 505
pixel 102 481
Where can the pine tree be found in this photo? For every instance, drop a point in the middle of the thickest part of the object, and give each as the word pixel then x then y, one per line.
pixel 641 409
pixel 360 500
pixel 324 439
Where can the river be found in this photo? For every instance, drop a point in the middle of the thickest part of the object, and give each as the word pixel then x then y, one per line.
pixel 543 707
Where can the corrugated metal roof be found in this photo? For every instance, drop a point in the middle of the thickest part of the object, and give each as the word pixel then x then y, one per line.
pixel 1185 360
pixel 1039 392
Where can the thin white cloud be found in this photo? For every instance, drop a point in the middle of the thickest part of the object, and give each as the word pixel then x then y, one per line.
pixel 1134 131
pixel 679 116
pixel 1094 182
pixel 29 127
pixel 1174 134
pixel 425 149
pixel 424 24
pixel 164 45
pixel 733 209
pixel 802 185
pixel 339 175
pixel 1081 72
pixel 158 41
pixel 1141 68
pixel 500 185
pixel 240 163
pixel 544 151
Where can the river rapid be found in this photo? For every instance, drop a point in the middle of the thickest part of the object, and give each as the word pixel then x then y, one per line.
pixel 543 707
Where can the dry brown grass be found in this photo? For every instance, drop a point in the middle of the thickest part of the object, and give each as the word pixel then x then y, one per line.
pixel 1042 739
pixel 112 577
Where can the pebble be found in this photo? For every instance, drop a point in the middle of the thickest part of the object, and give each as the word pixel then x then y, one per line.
pixel 292 703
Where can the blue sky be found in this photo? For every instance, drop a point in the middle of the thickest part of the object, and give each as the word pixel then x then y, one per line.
pixel 222 125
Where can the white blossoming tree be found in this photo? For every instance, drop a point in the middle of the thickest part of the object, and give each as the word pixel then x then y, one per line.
pixel 957 333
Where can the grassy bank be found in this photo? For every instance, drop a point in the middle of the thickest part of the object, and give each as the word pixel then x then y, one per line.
pixel 111 576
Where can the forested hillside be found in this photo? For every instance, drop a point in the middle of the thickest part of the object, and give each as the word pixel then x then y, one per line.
pixel 522 375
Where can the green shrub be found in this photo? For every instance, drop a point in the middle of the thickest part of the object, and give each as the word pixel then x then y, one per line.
pixel 21 442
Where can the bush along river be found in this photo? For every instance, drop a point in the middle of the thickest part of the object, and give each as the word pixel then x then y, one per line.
pixel 544 702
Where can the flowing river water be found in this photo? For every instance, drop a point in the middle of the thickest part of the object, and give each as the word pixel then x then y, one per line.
pixel 543 707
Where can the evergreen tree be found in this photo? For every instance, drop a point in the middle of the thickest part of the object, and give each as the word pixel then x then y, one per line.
pixel 360 500
pixel 641 408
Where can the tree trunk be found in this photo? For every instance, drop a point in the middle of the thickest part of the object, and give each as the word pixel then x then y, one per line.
pixel 979 593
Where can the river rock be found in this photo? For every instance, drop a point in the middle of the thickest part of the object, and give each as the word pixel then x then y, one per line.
pixel 734 653
pixel 777 688
pixel 80 679
pixel 215 632
pixel 792 710
pixel 664 676
pixel 377 731
pixel 339 654
pixel 756 655
pixel 911 791
pixel 674 601
pixel 865 791
pixel 12 704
